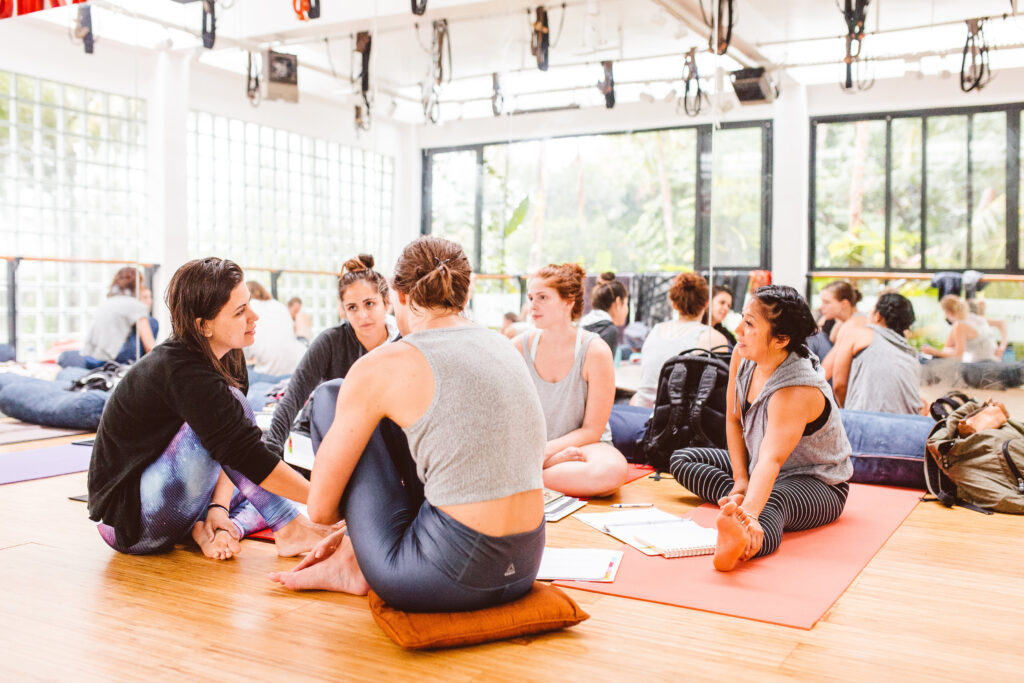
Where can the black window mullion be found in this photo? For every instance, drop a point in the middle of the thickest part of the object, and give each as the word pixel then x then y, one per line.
pixel 812 203
pixel 888 192
pixel 1013 189
pixel 924 192
pixel 702 226
pixel 970 192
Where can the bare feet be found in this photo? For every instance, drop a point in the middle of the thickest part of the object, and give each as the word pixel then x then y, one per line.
pixel 337 572
pixel 570 454
pixel 223 546
pixel 299 536
pixel 732 537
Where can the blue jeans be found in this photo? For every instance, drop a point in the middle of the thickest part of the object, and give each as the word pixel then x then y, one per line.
pixel 413 555
pixel 177 487
pixel 628 425
pixel 132 348
pixel 887 448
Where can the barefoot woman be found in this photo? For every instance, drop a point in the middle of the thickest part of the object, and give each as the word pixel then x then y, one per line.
pixel 788 460
pixel 433 456
pixel 177 436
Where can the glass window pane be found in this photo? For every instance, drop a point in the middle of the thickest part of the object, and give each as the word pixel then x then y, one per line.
pixel 946 192
pixel 905 206
pixel 849 212
pixel 988 190
pixel 453 176
pixel 736 197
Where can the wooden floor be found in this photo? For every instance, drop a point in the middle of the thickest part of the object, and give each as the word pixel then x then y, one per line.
pixel 942 599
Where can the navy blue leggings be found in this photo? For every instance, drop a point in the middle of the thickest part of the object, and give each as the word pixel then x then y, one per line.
pixel 413 555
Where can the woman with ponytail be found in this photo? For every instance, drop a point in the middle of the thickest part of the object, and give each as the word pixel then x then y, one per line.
pixel 575 380
pixel 788 460
pixel 177 451
pixel 432 455
pixel 610 302
pixel 363 297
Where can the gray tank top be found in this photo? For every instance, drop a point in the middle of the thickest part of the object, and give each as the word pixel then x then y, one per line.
pixel 885 376
pixel 982 347
pixel 825 454
pixel 564 402
pixel 482 438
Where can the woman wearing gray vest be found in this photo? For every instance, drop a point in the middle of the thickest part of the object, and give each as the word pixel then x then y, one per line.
pixel 788 461
pixel 876 368
pixel 432 456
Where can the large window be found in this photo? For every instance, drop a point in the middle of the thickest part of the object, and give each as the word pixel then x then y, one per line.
pixel 628 202
pixel 72 186
pixel 910 191
pixel 273 199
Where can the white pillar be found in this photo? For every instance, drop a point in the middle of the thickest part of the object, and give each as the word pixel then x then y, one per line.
pixel 790 183
pixel 168 192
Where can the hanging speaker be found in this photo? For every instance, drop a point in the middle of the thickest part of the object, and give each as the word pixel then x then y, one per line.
pixel 752 86
pixel 281 76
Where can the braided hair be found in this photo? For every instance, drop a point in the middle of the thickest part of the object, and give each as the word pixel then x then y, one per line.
pixel 788 315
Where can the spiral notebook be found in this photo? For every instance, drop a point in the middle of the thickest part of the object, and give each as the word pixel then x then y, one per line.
pixel 683 539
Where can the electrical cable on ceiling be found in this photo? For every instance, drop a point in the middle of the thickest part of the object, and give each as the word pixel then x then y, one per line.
pixel 722 28
pixel 83 28
pixel 209 23
pixel 855 16
pixel 691 104
pixel 498 97
pixel 976 74
pixel 419 7
pixel 440 47
pixel 607 86
pixel 540 36
pixel 252 82
pixel 364 42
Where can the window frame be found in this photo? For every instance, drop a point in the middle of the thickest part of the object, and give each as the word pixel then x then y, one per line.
pixel 703 181
pixel 1013 111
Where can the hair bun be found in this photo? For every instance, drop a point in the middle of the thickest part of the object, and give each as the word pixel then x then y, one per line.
pixel 857 296
pixel 608 276
pixel 361 262
pixel 575 270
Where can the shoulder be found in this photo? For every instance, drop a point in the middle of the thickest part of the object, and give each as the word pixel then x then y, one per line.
pixel 797 401
pixel 596 352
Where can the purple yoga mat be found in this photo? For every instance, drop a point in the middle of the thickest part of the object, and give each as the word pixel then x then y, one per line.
pixel 43 462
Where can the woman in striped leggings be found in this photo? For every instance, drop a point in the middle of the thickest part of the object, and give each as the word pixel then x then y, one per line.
pixel 788 461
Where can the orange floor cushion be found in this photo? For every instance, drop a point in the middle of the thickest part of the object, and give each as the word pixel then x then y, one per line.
pixel 544 608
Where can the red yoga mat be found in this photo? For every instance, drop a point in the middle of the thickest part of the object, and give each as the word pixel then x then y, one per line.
pixel 638 472
pixel 794 586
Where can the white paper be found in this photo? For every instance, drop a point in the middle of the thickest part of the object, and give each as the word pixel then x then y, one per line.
pixel 579 564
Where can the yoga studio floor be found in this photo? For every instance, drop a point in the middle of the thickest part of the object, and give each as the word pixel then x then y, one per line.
pixel 941 599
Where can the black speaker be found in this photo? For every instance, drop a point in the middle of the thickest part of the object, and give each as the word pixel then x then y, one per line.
pixel 752 86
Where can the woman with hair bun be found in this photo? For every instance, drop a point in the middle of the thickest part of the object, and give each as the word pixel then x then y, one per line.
pixel 363 304
pixel 610 302
pixel 575 380
pixel 839 301
pixel 432 455
pixel 788 460
pixel 876 368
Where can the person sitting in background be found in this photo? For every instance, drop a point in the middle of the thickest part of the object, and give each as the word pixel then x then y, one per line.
pixel 721 304
pixel 610 302
pixel 122 328
pixel 363 293
pixel 876 368
pixel 977 309
pixel 575 379
pixel 276 351
pixel 689 298
pixel 971 338
pixel 303 323
pixel 511 327
pixel 838 309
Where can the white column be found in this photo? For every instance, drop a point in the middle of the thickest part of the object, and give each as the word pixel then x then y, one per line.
pixel 790 183
pixel 168 194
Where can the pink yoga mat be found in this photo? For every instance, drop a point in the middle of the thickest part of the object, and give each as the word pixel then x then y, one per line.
pixel 43 462
pixel 795 586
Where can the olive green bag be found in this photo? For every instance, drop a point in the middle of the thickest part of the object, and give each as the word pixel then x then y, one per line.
pixel 981 471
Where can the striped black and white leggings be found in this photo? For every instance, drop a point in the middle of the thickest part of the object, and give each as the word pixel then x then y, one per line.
pixel 797 502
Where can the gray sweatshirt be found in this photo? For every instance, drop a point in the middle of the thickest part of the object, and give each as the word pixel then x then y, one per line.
pixel 885 376
pixel 825 454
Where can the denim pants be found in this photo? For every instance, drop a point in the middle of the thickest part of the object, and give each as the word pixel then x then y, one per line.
pixel 628 425
pixel 887 448
pixel 413 555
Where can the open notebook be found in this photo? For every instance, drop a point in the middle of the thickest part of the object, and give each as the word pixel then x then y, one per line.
pixel 654 532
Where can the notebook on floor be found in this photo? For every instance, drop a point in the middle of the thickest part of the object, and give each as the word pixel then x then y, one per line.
pixel 654 532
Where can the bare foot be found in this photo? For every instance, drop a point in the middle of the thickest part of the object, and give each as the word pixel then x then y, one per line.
pixel 338 572
pixel 732 537
pixel 570 454
pixel 299 536
pixel 224 546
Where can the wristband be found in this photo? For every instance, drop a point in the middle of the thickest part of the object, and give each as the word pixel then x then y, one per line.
pixel 217 505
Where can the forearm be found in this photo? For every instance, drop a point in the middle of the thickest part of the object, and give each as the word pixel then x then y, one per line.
pixel 223 491
pixel 761 483
pixel 839 390
pixel 737 451
pixel 287 483
pixel 577 437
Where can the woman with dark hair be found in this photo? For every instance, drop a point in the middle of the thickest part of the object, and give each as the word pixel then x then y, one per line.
pixel 788 460
pixel 120 317
pixel 721 304
pixel 876 368
pixel 610 308
pixel 177 435
pixel 575 380
pixel 432 455
pixel 689 297
pixel 363 303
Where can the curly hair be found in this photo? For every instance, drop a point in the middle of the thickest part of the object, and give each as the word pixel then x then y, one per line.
pixel 567 280
pixel 434 273
pixel 689 294
pixel 361 268
pixel 789 316
pixel 897 312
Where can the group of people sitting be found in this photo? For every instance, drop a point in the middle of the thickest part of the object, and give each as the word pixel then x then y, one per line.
pixel 434 436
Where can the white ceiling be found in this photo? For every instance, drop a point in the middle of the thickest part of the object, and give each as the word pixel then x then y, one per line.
pixel 646 39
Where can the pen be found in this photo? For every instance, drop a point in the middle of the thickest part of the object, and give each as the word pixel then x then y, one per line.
pixel 632 505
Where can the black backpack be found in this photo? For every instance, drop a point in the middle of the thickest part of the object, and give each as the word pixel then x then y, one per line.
pixel 689 408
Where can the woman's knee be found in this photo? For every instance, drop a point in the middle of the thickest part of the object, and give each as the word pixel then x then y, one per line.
pixel 325 402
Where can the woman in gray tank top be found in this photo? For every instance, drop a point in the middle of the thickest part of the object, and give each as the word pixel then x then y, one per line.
pixel 876 368
pixel 575 380
pixel 430 449
pixel 788 461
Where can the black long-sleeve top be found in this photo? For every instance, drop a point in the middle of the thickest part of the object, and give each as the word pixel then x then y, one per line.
pixel 170 386
pixel 329 357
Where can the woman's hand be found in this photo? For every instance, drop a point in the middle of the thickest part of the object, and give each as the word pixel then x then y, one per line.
pixel 217 518
pixel 325 548
pixel 737 494
pixel 572 453
pixel 755 536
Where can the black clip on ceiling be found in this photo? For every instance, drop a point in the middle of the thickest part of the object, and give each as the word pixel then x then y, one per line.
pixel 976 74
pixel 607 86
pixel 314 9
pixel 497 97
pixel 419 7
pixel 440 44
pixel 83 28
pixel 723 26
pixel 209 23
pixel 539 38
pixel 855 13
pixel 691 80
pixel 252 83
pixel 364 42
